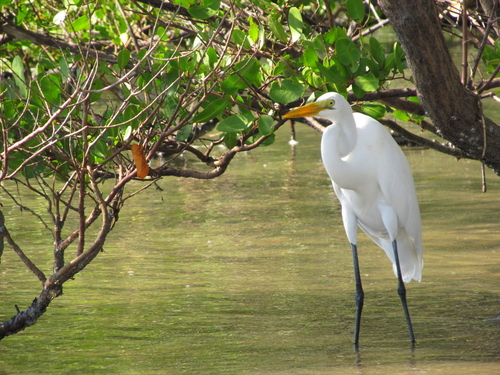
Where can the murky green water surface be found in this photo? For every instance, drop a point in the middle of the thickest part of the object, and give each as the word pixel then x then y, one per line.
pixel 252 274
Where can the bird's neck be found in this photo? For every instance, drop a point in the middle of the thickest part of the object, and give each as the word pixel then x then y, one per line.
pixel 338 141
pixel 342 136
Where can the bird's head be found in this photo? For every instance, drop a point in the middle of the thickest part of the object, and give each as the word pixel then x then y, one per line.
pixel 331 106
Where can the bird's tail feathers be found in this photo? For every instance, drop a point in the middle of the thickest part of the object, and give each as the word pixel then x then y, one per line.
pixel 409 259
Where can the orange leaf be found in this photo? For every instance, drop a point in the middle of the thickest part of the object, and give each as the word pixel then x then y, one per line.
pixel 140 161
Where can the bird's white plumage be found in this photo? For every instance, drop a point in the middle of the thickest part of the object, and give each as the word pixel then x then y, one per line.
pixel 373 181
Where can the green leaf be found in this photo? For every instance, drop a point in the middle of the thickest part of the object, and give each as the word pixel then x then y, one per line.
pixel 277 29
pixel 355 9
pixel 247 72
pixel 332 73
pixel 18 69
pixel 358 91
pixel 399 57
pixel 335 34
pixel 8 108
pixel 253 31
pixel 184 3
pixel 212 110
pixel 64 68
pixel 81 23
pixel 204 10
pixel 295 23
pixel 96 85
pixel 390 62
pixel 51 88
pixel 240 38
pixel 234 123
pixel 123 58
pixel 265 124
pixel 377 51
pixel 347 51
pixel 183 133
pixel 372 66
pixel 367 82
pixel 375 110
pixel 269 140
pixel 262 36
pixel 310 57
pixel 230 140
pixel 212 56
pixel 401 115
pixel 100 150
pixel 286 91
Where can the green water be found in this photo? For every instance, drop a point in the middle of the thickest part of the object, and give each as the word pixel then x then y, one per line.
pixel 251 273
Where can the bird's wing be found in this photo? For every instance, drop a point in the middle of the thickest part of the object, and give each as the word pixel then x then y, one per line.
pixel 396 184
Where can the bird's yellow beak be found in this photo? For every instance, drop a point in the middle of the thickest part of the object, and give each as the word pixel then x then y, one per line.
pixel 308 110
pixel 311 109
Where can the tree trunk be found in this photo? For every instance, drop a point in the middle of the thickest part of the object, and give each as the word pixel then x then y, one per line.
pixel 454 110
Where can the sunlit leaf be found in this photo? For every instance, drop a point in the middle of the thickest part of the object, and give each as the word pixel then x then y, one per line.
pixel 59 17
pixel 184 3
pixel 375 110
pixel 367 82
pixel 81 23
pixel 253 31
pixel 295 23
pixel 401 115
pixel 123 38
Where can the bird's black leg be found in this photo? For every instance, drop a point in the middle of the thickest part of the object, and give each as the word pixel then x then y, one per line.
pixel 359 297
pixel 402 292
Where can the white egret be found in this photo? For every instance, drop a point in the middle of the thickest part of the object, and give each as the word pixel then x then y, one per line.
pixel 373 182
